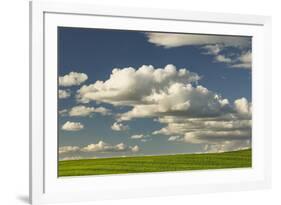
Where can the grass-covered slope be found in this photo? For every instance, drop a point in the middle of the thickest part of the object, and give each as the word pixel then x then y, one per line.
pixel 179 162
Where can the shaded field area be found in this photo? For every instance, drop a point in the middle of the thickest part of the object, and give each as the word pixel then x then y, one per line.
pixel 179 162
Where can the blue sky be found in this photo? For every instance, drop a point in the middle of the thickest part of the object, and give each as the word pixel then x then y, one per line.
pixel 219 64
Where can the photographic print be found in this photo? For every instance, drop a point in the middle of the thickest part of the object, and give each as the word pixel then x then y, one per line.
pixel 143 101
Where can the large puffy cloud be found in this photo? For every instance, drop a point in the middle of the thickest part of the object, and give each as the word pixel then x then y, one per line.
pixel 224 131
pixel 179 99
pixel 72 126
pixel 169 40
pixel 189 112
pixel 182 125
pixel 128 86
pixel 227 132
pixel 153 92
pixel 73 78
pixel 84 111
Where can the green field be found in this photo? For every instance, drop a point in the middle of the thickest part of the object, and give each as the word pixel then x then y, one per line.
pixel 179 162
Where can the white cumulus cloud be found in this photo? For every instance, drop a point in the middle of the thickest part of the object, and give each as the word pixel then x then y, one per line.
pixel 128 86
pixel 242 106
pixel 68 149
pixel 72 126
pixel 102 146
pixel 117 126
pixel 84 111
pixel 179 99
pixel 71 79
pixel 63 94
pixel 223 59
pixel 216 131
pixel 190 113
pixel 103 111
pixel 135 148
pixel 81 110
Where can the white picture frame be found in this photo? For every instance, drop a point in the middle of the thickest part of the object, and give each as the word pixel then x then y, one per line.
pixel 46 187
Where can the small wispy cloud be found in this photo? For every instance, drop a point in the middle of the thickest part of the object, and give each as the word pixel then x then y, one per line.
pixel 240 58
pixel 175 138
pixel 140 136
pixel 214 45
pixel 101 147
pixel 170 40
